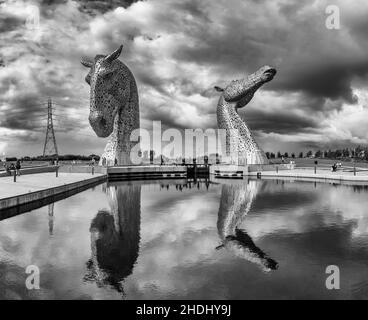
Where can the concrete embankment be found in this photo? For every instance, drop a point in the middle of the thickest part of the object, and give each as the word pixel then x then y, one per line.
pixel 146 172
pixel 310 175
pixel 82 169
pixel 282 171
pixel 60 168
pixel 35 187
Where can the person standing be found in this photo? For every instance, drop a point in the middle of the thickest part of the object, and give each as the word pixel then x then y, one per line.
pixel 11 168
pixel 7 168
pixel 17 167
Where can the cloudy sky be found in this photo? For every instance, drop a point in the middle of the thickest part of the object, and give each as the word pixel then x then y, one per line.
pixel 178 50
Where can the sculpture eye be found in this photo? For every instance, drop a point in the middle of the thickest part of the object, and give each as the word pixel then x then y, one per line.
pixel 108 75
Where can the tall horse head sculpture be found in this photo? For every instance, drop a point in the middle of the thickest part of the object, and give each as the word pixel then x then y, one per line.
pixel 114 105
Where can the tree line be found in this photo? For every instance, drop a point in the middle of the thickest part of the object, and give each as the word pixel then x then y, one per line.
pixel 66 157
pixel 352 153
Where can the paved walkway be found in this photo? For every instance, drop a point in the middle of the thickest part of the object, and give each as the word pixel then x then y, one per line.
pixel 321 174
pixel 37 182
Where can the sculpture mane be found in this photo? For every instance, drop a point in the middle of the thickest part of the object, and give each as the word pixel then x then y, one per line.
pixel 114 105
pixel 237 95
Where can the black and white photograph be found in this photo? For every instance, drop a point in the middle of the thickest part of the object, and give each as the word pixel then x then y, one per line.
pixel 183 150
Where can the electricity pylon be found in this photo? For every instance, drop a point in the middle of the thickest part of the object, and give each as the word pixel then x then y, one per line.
pixel 50 147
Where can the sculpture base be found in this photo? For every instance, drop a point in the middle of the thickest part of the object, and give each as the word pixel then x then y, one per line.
pixel 115 158
pixel 243 159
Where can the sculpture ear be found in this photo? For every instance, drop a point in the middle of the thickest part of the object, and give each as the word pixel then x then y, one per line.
pixel 86 63
pixel 218 89
pixel 111 57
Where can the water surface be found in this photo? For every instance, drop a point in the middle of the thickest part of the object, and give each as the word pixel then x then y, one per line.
pixel 230 240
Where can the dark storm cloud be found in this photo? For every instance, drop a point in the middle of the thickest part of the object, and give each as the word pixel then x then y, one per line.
pixel 287 122
pixel 28 109
pixel 94 7
pixel 9 23
pixel 152 80
pixel 163 114
pixel 331 79
pixel 29 112
pixel 300 50
pixel 24 113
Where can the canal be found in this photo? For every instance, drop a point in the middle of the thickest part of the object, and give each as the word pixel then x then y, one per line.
pixel 246 239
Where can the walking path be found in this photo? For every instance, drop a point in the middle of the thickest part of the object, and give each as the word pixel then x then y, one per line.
pixel 36 182
pixel 320 174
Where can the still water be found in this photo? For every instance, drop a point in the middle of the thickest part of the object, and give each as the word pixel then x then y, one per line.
pixel 248 239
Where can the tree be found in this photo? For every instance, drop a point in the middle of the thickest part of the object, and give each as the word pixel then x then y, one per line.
pixel 293 155
pixel 301 155
pixel 286 155
pixel 318 154
pixel 94 156
pixel 279 154
pixel 309 154
pixel 268 155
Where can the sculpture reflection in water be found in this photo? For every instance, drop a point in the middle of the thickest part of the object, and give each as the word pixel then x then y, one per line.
pixel 115 237
pixel 51 218
pixel 236 201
